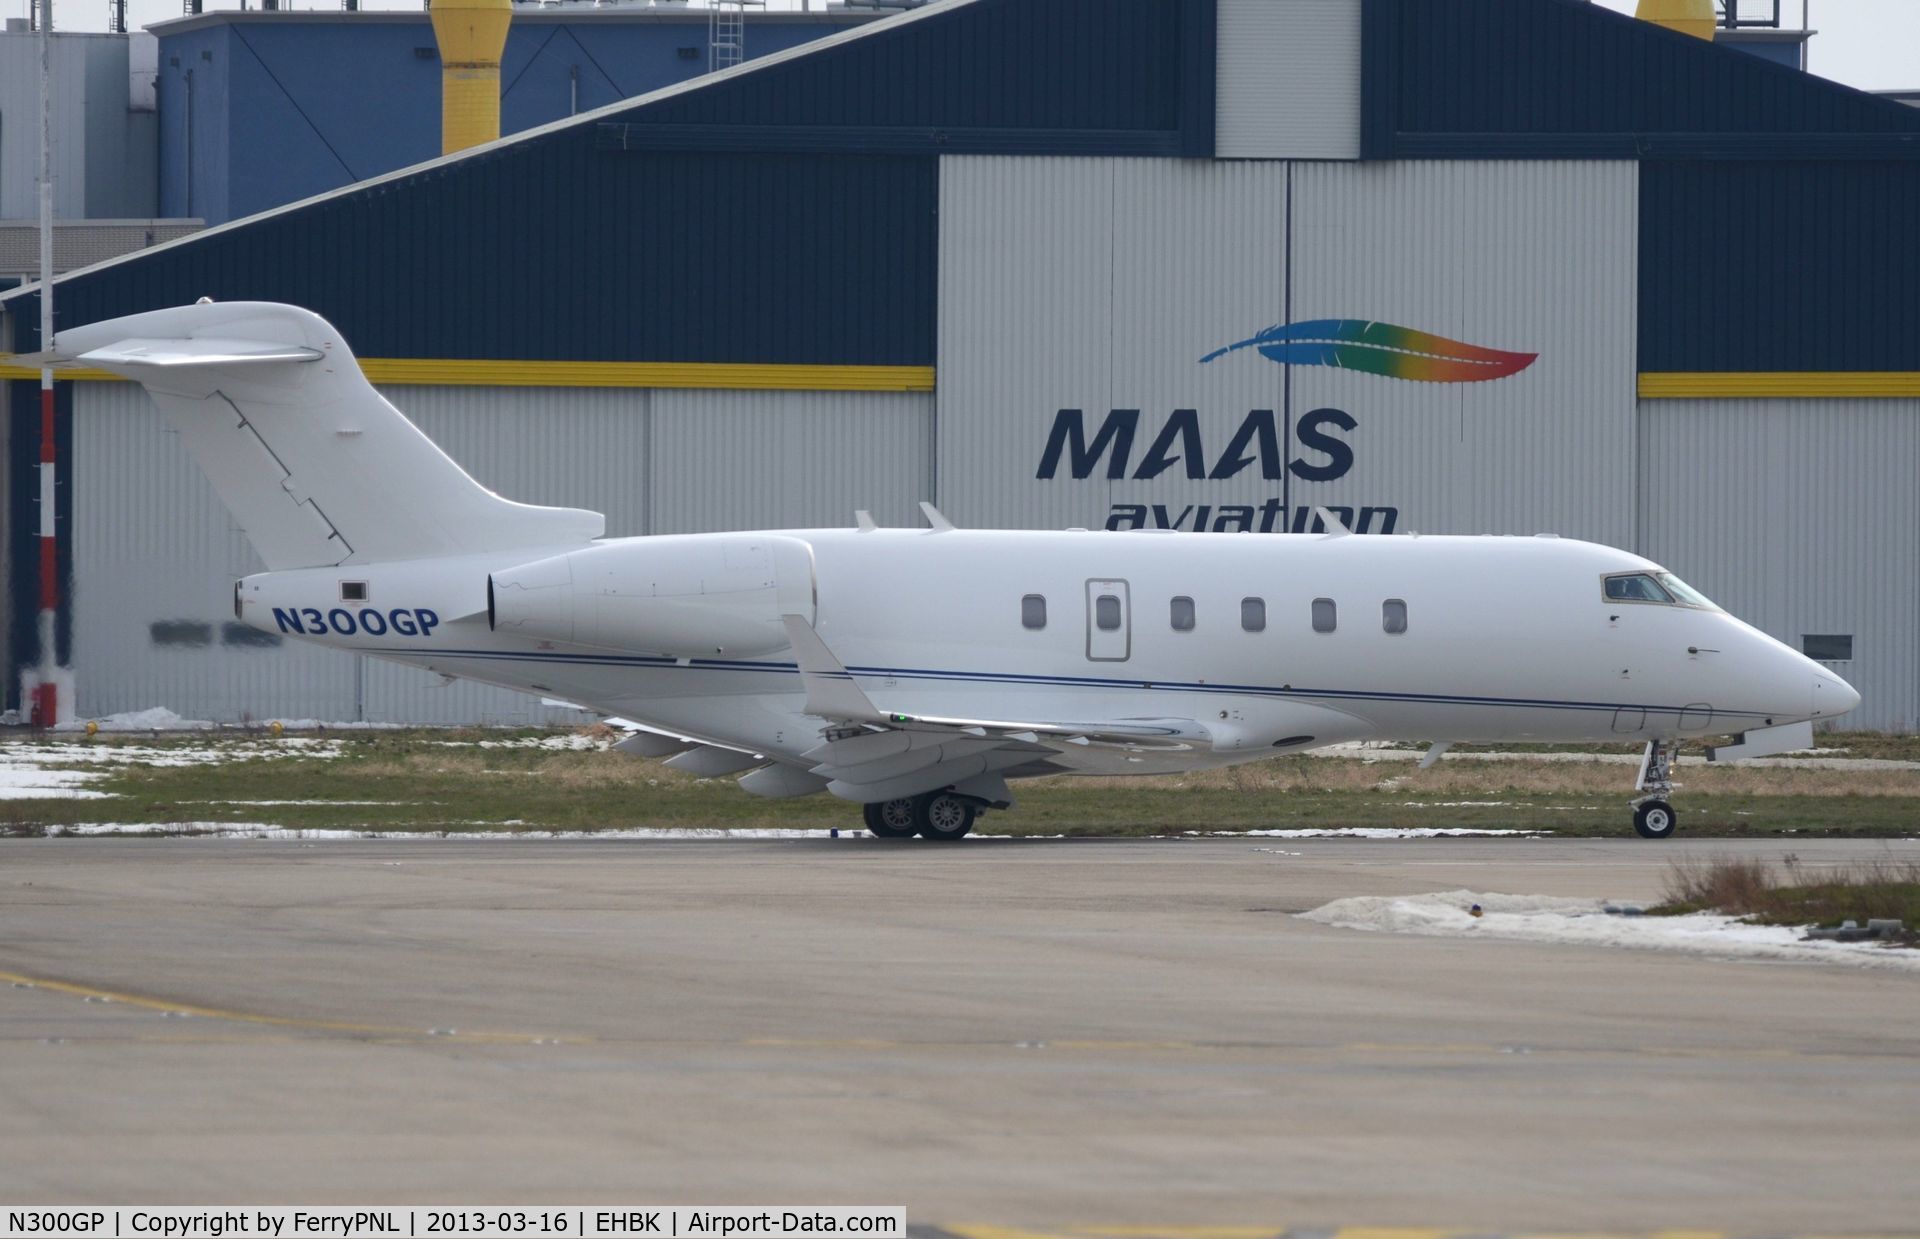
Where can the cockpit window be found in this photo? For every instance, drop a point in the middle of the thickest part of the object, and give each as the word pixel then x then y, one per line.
pixel 1685 594
pixel 1663 588
pixel 1636 587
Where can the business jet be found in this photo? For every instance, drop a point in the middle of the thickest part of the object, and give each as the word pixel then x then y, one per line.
pixel 921 672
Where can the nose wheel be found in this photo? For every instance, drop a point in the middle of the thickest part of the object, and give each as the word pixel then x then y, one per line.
pixel 1653 817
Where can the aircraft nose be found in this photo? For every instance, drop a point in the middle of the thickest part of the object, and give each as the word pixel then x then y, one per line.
pixel 1833 696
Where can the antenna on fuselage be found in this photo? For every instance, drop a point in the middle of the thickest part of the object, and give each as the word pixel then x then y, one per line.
pixel 939 523
pixel 864 519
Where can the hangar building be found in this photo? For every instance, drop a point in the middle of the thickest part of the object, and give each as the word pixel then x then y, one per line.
pixel 1499 266
pixel 262 107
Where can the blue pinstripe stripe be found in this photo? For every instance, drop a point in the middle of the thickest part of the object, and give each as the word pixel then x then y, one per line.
pixel 1058 681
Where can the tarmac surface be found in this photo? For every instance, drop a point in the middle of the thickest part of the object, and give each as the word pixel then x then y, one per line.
pixel 1033 1034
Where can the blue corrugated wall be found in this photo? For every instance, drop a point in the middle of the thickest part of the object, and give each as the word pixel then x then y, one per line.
pixel 557 251
pixel 1564 79
pixel 283 109
pixel 1779 212
pixel 567 247
pixel 1112 76
pixel 1780 266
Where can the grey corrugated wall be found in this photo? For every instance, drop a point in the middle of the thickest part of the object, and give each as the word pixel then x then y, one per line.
pixel 1099 284
pixel 1799 516
pixel 758 460
pixel 68 59
pixel 1528 256
pixel 1288 79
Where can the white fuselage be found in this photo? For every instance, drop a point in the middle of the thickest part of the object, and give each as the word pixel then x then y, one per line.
pixel 1505 638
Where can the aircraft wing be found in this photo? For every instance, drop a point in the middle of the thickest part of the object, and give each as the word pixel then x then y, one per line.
pixel 833 695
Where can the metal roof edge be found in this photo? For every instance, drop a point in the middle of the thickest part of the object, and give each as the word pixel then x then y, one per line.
pixel 1785 73
pixel 141 221
pixel 595 116
pixel 1381 139
pixel 419 17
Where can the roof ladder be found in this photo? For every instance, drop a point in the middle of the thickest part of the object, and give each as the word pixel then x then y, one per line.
pixel 726 34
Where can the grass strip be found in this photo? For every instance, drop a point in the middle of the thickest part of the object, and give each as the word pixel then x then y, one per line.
pixel 471 781
pixel 1791 894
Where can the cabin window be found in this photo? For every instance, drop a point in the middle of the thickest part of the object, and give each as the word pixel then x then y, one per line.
pixel 1033 611
pixel 1324 615
pixel 1253 614
pixel 1827 647
pixel 1393 615
pixel 353 591
pixel 1106 613
pixel 1182 614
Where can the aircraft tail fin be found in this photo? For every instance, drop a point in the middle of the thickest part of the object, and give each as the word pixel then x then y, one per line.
pixel 314 464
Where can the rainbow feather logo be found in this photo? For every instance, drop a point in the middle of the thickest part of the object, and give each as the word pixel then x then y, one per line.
pixel 1381 348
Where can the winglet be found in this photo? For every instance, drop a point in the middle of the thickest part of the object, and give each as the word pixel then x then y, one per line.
pixel 1336 528
pixel 831 692
pixel 939 523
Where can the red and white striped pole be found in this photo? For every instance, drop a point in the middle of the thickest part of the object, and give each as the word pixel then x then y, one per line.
pixel 44 699
pixel 45 703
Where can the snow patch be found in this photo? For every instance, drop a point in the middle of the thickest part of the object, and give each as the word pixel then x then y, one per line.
pixel 1581 922
pixel 1370 832
pixel 62 769
pixel 568 742
pixel 159 718
pixel 31 783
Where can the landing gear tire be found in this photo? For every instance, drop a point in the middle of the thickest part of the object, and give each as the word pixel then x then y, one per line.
pixel 1654 819
pixel 943 816
pixel 891 819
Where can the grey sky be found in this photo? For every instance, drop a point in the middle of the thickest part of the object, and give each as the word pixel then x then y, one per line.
pixel 1872 44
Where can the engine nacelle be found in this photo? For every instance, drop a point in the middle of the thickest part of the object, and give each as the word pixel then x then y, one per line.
pixel 687 596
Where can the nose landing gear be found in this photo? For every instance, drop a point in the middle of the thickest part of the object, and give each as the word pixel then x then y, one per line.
pixel 1653 817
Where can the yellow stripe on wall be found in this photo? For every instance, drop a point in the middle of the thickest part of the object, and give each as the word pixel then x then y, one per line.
pixel 1676 385
pixel 492 373
pixel 63 374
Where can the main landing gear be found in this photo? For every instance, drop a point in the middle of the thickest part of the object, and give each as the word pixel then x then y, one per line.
pixel 1653 817
pixel 935 815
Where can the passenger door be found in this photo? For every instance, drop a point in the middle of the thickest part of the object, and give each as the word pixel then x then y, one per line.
pixel 1109 621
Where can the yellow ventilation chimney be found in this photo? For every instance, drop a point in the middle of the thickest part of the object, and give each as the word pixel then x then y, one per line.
pixel 472 34
pixel 1694 17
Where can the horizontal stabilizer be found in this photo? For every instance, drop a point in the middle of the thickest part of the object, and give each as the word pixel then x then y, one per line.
pixel 316 467
pixel 197 352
